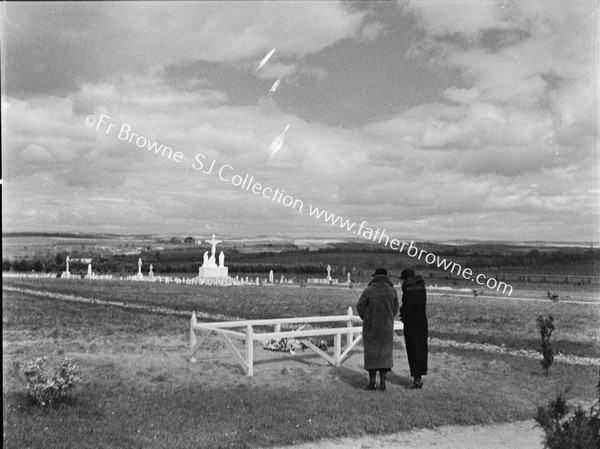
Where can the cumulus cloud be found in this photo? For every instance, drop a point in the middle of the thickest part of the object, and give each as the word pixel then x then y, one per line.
pixel 70 43
pixel 507 138
pixel 103 160
pixel 527 97
pixel 441 18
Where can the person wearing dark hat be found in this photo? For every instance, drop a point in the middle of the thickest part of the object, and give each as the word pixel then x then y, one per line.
pixel 377 307
pixel 414 317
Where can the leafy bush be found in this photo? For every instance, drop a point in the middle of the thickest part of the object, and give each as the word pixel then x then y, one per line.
pixel 568 426
pixel 546 326
pixel 45 389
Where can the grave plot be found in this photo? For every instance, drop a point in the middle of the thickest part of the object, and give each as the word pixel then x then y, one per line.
pixel 248 332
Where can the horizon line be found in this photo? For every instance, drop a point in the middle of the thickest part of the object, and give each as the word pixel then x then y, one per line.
pixel 300 237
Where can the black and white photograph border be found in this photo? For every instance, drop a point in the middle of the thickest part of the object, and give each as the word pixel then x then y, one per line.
pixel 218 214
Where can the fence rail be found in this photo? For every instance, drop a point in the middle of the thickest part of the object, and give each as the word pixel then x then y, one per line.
pixel 249 335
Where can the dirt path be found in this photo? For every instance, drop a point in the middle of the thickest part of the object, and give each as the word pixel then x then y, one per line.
pixel 520 434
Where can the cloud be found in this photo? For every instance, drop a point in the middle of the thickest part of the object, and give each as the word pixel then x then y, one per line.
pixel 441 18
pixel 516 108
pixel 526 98
pixel 100 161
pixel 372 30
pixel 53 47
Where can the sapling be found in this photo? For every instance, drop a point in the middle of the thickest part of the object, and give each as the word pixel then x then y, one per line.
pixel 546 326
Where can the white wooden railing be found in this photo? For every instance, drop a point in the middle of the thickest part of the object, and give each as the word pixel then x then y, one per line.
pixel 249 335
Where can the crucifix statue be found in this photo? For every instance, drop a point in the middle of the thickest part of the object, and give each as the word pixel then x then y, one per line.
pixel 213 242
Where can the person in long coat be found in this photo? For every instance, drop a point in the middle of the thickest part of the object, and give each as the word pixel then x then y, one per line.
pixel 413 315
pixel 377 307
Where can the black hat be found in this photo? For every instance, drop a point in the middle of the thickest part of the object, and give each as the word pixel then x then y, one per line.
pixel 380 271
pixel 407 273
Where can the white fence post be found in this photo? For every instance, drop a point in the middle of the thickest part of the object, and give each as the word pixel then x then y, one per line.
pixel 337 350
pixel 193 341
pixel 349 335
pixel 250 350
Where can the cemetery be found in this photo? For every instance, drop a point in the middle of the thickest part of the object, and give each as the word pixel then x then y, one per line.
pixel 191 344
pixel 261 334
pixel 209 273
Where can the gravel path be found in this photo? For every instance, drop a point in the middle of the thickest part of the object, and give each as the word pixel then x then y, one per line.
pixel 520 434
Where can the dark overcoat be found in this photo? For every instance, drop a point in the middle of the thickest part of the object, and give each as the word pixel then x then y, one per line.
pixel 377 306
pixel 414 316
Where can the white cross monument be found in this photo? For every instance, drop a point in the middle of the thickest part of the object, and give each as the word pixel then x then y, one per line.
pixel 213 251
pixel 210 272
pixel 139 276
pixel 67 273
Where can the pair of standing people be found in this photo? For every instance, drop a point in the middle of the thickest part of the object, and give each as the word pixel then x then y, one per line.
pixel 377 306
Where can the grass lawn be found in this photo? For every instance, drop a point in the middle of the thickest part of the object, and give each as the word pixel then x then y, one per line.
pixel 139 392
pixel 497 321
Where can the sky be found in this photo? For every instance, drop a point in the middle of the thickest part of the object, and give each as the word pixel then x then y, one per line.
pixel 433 120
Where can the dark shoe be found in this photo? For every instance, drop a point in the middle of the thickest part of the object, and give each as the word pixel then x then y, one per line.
pixel 382 386
pixel 416 385
pixel 371 386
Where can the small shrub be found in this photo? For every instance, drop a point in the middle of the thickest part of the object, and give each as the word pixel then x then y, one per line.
pixel 546 326
pixel 45 389
pixel 570 427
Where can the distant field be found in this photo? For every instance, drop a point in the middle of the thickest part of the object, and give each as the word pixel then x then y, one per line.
pixel 120 254
pixel 16 247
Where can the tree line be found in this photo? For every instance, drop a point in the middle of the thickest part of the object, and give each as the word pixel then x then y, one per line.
pixel 128 264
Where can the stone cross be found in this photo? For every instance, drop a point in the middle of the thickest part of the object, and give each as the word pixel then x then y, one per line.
pixel 271 276
pixel 89 269
pixel 140 265
pixel 328 271
pixel 213 242
pixel 68 259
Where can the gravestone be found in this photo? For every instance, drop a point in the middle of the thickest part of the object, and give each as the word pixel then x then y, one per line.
pixel 139 276
pixel 67 274
pixel 328 280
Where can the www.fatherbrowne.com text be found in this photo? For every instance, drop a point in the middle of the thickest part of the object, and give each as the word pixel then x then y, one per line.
pixel 380 236
pixel 226 173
